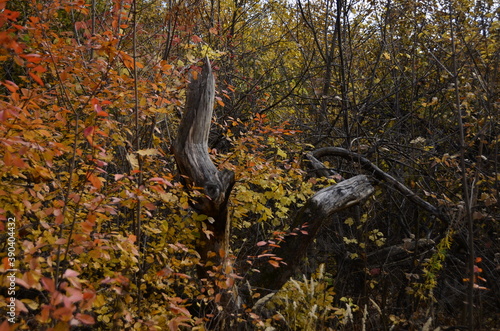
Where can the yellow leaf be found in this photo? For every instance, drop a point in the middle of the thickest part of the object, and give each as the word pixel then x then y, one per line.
pixel 133 161
pixel 349 221
pixel 148 151
pixel 30 303
pixel 281 153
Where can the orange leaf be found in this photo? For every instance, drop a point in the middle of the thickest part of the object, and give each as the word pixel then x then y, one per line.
pixel 95 181
pixel 85 319
pixel 219 101
pixel 195 74
pixel 274 263
pixel 196 39
pixel 61 241
pixel 39 69
pixel 222 252
pixel 102 113
pixel 11 86
pixel 36 78
pixel 64 314
pixel 44 316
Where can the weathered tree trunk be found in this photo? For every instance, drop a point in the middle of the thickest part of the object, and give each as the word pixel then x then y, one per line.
pixel 309 219
pixel 200 174
pixel 191 154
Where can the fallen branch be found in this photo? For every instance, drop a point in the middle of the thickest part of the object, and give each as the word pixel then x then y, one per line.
pixel 380 175
pixel 314 214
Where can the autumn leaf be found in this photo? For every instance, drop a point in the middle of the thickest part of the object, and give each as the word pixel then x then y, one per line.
pixel 219 101
pixel 36 78
pixel 48 284
pixel 149 152
pixel 196 39
pixel 88 133
pixel 95 181
pixel 70 273
pixel 85 318
pixel 11 86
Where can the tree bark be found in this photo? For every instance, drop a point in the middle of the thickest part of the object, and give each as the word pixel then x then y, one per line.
pixel 309 219
pixel 199 173
pixel 380 175
pixel 197 169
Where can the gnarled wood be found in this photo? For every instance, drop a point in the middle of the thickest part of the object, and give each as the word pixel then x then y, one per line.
pixel 314 214
pixel 379 174
pixel 194 163
pixel 198 172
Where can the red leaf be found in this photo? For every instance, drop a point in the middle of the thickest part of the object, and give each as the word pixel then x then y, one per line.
pixel 74 295
pixel 179 310
pixel 21 282
pixel 161 180
pixel 88 131
pixel 20 307
pixel 80 25
pixel 11 15
pixel 262 243
pixel 48 284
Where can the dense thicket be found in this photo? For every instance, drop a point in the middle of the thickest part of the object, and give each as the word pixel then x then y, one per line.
pixel 91 97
